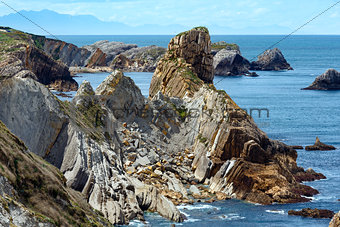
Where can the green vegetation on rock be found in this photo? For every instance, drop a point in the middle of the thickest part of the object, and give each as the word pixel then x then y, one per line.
pixel 11 39
pixel 201 28
pixel 223 45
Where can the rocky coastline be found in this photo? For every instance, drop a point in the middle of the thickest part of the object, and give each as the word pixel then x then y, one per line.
pixel 112 154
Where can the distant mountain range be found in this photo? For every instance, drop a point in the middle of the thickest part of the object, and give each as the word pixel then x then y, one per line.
pixel 64 24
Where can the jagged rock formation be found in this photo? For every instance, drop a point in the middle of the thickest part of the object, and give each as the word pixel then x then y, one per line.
pixel 68 53
pixel 33 192
pixel 312 213
pixel 194 47
pixel 318 146
pixel 103 55
pixel 230 153
pixel 127 154
pixel 20 52
pixel 83 143
pixel 335 221
pixel 111 49
pixel 330 80
pixel 271 60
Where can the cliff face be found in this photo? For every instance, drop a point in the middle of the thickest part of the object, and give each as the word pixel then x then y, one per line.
pixel 231 154
pixel 194 47
pixel 20 53
pixel 33 192
pixel 68 53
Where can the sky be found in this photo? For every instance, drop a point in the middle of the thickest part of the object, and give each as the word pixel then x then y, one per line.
pixel 235 14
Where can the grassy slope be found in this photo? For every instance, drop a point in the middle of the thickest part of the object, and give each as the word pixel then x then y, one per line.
pixel 41 187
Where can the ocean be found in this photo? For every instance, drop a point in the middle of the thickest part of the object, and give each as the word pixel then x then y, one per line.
pixel 296 117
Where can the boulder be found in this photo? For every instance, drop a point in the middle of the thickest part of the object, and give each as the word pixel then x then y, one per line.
pixel 330 80
pixel 271 60
pixel 335 221
pixel 318 146
pixel 312 213
pixel 194 190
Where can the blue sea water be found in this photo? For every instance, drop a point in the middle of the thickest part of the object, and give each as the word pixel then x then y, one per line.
pixel 296 117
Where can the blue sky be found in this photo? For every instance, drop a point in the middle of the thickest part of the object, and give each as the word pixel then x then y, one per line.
pixel 236 14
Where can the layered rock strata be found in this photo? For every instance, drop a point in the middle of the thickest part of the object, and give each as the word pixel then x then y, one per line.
pixel 20 52
pixel 231 154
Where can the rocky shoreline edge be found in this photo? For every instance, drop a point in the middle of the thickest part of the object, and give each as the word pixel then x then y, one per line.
pixel 111 154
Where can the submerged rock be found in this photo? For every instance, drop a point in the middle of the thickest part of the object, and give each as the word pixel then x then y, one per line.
pixel 318 146
pixel 330 80
pixel 312 213
pixel 271 60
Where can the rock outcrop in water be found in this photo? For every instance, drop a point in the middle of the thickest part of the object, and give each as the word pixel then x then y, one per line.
pixel 228 60
pixel 318 146
pixel 330 80
pixel 231 154
pixel 312 213
pixel 20 52
pixel 271 60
